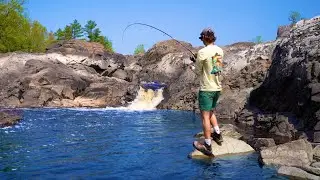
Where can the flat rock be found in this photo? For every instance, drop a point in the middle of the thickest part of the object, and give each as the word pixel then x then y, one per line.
pixel 296 173
pixel 228 147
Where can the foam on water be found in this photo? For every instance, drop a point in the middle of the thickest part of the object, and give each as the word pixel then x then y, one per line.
pixel 146 100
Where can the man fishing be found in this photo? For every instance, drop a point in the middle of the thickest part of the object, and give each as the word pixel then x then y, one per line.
pixel 208 64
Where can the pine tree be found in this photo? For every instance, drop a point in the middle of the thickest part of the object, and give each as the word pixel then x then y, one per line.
pixel 139 49
pixel 67 33
pixel 89 28
pixel 77 30
pixel 59 34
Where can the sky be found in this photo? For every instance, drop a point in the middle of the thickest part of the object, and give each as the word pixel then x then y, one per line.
pixel 232 20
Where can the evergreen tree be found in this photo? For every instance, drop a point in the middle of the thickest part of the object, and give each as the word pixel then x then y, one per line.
pixel 96 35
pixel 139 49
pixel 77 30
pixel 294 17
pixel 106 43
pixel 59 34
pixel 89 27
pixel 67 33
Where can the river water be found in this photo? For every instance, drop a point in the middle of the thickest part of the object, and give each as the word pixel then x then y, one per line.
pixel 114 144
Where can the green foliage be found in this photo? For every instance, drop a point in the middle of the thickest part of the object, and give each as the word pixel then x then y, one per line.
pixel 106 43
pixel 294 17
pixel 17 33
pixel 67 33
pixel 258 40
pixel 50 39
pixel 59 34
pixel 89 29
pixel 37 37
pixel 139 49
pixel 77 30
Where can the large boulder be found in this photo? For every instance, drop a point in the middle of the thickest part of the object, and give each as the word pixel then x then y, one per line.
pixel 160 49
pixel 297 153
pixel 111 93
pixel 292 82
pixel 283 31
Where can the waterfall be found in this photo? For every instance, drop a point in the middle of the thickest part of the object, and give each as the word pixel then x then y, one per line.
pixel 147 99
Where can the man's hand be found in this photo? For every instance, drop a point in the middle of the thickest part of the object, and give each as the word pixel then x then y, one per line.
pixel 193 58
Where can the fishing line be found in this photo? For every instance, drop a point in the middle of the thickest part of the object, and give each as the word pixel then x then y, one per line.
pixel 143 24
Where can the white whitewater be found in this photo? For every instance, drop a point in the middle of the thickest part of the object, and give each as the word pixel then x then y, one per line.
pixel 147 99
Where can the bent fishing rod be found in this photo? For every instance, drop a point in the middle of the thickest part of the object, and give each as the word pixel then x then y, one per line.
pixel 143 24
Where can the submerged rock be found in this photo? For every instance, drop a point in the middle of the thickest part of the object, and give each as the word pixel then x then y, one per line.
pixel 8 119
pixel 229 146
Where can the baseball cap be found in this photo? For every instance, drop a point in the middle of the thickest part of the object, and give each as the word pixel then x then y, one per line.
pixel 206 32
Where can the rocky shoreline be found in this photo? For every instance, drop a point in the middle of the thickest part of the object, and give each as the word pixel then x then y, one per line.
pixel 271 90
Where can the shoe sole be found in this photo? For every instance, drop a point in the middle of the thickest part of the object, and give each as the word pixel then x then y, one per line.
pixel 207 153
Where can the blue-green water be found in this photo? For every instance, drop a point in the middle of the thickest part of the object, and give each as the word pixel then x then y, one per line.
pixel 101 144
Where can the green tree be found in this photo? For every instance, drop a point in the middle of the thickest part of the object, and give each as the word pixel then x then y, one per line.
pixel 294 17
pixel 106 43
pixel 37 37
pixel 139 49
pixel 67 33
pixel 77 30
pixel 96 35
pixel 50 39
pixel 89 29
pixel 258 40
pixel 59 34
pixel 14 27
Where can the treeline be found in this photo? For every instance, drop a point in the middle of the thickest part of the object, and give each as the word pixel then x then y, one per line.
pixel 90 32
pixel 18 33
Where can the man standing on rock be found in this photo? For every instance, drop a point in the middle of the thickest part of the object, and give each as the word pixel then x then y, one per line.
pixel 207 65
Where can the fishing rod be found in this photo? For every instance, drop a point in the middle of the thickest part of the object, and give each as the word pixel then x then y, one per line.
pixel 143 24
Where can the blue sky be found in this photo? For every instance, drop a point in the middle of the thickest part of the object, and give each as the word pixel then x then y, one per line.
pixel 232 20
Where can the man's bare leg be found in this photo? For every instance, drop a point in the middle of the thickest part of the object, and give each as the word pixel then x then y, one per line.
pixel 206 126
pixel 214 122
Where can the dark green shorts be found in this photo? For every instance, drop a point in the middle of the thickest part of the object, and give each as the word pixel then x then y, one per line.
pixel 208 100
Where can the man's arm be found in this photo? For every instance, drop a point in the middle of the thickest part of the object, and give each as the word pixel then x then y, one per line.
pixel 199 63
